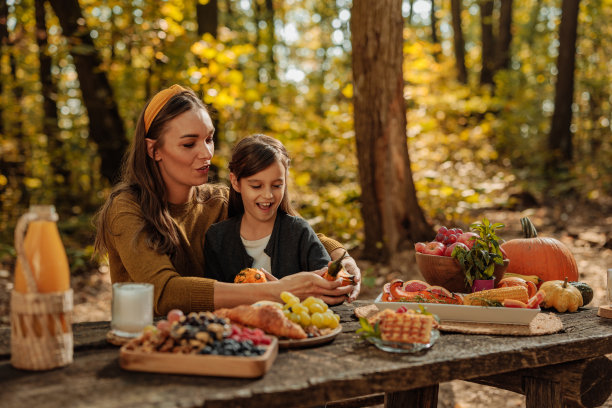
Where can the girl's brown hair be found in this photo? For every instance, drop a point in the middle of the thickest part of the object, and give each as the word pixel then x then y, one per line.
pixel 141 178
pixel 252 155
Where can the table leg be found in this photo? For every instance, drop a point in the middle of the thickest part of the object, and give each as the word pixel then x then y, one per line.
pixel 542 393
pixel 426 397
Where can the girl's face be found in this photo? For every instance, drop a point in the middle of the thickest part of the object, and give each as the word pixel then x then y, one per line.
pixel 261 193
pixel 183 153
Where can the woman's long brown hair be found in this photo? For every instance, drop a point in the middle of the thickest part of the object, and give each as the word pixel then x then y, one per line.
pixel 141 178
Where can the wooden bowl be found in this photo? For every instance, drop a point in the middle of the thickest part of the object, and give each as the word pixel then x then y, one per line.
pixel 445 271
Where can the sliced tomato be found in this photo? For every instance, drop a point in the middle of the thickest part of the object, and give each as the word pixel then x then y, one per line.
pixel 535 301
pixel 514 303
pixel 458 298
pixel 439 290
pixel 531 288
pixel 415 285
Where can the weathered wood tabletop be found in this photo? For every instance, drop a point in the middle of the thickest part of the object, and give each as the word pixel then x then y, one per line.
pixel 566 363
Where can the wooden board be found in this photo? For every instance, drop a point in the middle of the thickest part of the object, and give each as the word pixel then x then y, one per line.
pixel 199 364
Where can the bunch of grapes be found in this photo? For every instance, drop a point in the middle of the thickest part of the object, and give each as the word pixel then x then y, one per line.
pixel 311 312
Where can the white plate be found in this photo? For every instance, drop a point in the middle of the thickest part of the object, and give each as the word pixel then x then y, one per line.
pixel 310 341
pixel 462 313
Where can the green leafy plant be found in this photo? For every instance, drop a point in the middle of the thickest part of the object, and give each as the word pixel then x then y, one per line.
pixel 479 262
pixel 367 330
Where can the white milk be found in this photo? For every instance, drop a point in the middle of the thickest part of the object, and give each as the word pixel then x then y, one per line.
pixel 132 308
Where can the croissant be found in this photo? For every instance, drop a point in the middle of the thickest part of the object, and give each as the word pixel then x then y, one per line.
pixel 268 318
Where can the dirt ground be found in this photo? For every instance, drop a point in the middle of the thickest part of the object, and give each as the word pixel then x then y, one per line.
pixel 586 230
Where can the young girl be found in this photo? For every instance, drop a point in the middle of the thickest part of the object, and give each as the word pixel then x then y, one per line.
pixel 263 230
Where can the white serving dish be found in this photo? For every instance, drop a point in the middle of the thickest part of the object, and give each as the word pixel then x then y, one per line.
pixel 462 313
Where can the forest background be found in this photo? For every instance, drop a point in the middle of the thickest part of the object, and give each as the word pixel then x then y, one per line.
pixel 482 86
pixel 507 112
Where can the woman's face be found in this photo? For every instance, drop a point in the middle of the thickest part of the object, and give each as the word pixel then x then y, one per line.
pixel 183 153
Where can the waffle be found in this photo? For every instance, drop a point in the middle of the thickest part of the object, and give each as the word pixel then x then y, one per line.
pixel 406 328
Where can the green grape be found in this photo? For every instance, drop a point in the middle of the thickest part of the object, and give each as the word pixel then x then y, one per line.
pixel 308 301
pixel 294 317
pixel 328 320
pixel 305 319
pixel 322 303
pixel 315 308
pixel 287 306
pixel 299 308
pixel 317 320
pixel 287 313
pixel 333 323
pixel 288 297
pixel 337 317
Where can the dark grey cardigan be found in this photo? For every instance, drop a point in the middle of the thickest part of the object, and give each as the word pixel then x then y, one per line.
pixel 293 247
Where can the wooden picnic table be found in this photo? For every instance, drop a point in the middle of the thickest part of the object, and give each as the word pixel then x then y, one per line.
pixel 563 369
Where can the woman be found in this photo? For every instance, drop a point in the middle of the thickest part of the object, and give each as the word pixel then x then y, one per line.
pixel 153 225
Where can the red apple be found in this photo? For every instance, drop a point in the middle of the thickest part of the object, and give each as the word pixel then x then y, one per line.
pixel 449 249
pixel 419 247
pixel 466 239
pixel 434 248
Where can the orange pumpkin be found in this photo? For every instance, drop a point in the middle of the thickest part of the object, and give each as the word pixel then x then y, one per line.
pixel 547 258
pixel 250 275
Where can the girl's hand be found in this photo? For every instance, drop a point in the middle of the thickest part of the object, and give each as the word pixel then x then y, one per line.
pixel 351 267
pixel 306 284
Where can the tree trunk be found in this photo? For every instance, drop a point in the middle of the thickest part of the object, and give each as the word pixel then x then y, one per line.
pixel 105 124
pixel 458 41
pixel 488 42
pixel 391 213
pixel 3 43
pixel 505 34
pixel 60 173
pixel 269 16
pixel 434 21
pixel 411 12
pixel 560 137
pixel 208 17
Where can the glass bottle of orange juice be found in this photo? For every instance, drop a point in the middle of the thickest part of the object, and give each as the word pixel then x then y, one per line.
pixel 45 255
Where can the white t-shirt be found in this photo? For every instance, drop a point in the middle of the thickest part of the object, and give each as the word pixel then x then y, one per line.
pixel 255 249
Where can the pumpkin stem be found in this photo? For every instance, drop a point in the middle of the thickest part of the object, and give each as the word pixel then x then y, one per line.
pixel 565 283
pixel 529 230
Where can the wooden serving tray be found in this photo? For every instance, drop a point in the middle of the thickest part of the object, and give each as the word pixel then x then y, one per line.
pixel 199 364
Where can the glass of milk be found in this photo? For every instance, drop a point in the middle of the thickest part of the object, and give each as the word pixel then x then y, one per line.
pixel 132 308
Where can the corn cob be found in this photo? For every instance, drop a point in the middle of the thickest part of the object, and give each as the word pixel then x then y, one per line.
pixel 492 297
pixel 406 328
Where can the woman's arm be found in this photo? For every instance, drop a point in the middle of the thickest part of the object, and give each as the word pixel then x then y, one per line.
pixel 301 284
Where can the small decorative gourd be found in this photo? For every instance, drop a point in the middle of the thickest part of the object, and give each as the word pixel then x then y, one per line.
pixel 561 295
pixel 546 257
pixel 250 275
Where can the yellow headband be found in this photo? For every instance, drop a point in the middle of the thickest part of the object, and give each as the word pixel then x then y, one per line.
pixel 158 102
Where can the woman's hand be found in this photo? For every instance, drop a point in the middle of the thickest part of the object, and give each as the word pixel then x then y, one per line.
pixel 306 284
pixel 351 267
